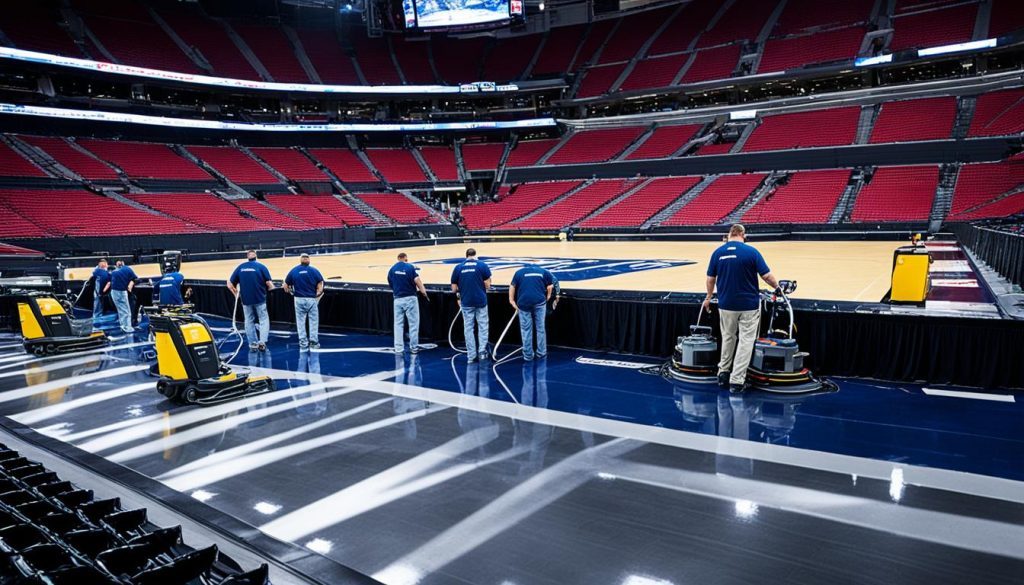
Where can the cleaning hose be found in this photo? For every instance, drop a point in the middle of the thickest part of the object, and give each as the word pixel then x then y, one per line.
pixel 451 328
pixel 234 331
pixel 494 353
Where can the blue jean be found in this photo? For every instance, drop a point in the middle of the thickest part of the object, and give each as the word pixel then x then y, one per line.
pixel 97 301
pixel 252 313
pixel 530 319
pixel 124 310
pixel 307 307
pixel 407 308
pixel 475 341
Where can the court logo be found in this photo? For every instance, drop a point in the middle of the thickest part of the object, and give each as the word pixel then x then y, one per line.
pixel 573 269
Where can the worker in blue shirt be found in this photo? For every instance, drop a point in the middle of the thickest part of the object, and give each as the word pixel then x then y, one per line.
pixel 100 287
pixel 250 282
pixel 169 289
pixel 122 281
pixel 470 281
pixel 306 284
pixel 529 293
pixel 405 283
pixel 734 268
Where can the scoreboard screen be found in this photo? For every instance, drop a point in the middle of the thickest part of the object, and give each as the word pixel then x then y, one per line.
pixel 458 13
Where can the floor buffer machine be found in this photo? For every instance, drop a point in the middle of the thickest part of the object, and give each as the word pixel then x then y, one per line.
pixel 778 363
pixel 48 328
pixel 190 367
pixel 695 358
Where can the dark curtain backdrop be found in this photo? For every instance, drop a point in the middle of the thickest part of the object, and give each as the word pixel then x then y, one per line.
pixel 938 350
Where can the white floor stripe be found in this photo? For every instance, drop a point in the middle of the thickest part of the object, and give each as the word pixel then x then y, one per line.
pixel 258 445
pixel 55 366
pixel 241 465
pixel 507 510
pixel 964 532
pixel 390 350
pixel 190 417
pixel 972 395
pixel 219 426
pixel 27 391
pixel 15 361
pixel 341 507
pixel 47 412
pixel 956 481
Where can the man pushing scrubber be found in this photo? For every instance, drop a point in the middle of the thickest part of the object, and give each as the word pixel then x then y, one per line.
pixel 734 269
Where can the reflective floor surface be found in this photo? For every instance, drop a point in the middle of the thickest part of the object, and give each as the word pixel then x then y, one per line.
pixel 574 469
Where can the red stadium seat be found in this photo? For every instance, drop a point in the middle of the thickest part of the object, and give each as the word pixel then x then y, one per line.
pixel 397 165
pixel 527 153
pixel 398 207
pixel 718 200
pixel 511 206
pixel 234 164
pixel 274 50
pixel 482 157
pixel 999 113
pixel 824 47
pixel 13 164
pixel 75 160
pixel 664 141
pixel 79 213
pixel 319 211
pixel 802 15
pixel 981 183
pixel 642 205
pixel 146 161
pixel 210 38
pixel 576 206
pixel 833 127
pixel 742 21
pixel 906 121
pixel 344 164
pixel 292 164
pixel 718 63
pixel 934 28
pixel 595 145
pixel 328 57
pixel 809 197
pixel 441 161
pixel 897 194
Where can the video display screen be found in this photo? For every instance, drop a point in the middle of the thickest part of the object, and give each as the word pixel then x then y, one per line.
pixel 457 13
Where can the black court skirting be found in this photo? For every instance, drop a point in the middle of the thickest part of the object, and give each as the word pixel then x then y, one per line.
pixel 983 353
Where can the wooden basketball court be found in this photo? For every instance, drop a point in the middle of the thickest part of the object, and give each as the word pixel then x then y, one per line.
pixel 842 271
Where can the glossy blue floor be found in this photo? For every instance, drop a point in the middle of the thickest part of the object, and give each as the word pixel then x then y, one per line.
pixel 578 468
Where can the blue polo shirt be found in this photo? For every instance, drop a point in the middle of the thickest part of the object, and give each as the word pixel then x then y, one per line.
pixel 470 276
pixel 120 278
pixel 737 266
pixel 402 278
pixel 102 276
pixel 170 288
pixel 531 284
pixel 251 277
pixel 304 279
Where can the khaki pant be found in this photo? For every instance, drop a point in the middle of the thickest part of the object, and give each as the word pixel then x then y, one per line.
pixel 746 324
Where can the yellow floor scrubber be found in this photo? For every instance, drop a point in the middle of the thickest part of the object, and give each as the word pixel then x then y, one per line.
pixel 190 367
pixel 48 329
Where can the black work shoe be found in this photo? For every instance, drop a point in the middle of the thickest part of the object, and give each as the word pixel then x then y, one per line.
pixel 737 388
pixel 723 379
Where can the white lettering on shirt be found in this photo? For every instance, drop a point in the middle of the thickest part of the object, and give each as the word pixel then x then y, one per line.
pixel 727 257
